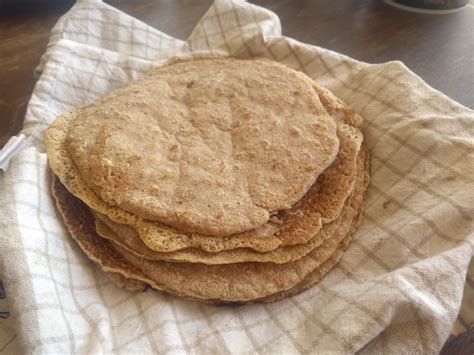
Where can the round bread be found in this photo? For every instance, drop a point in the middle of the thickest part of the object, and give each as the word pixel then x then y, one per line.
pixel 323 202
pixel 210 146
pixel 230 283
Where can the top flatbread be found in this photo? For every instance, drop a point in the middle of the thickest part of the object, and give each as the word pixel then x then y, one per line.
pixel 211 146
pixel 326 200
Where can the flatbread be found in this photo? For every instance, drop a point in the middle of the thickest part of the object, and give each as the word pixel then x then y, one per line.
pixel 277 279
pixel 128 239
pixel 233 282
pixel 340 177
pixel 209 146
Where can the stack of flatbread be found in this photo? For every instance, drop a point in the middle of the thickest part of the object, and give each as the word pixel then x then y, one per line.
pixel 214 179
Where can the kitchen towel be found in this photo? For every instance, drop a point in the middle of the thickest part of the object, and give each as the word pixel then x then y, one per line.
pixel 398 289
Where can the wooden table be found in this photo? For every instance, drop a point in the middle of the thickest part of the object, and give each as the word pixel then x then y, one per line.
pixel 438 48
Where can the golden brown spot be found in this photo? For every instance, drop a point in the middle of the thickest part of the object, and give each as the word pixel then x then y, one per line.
pixel 294 131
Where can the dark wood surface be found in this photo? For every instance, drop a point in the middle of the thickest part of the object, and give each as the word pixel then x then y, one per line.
pixel 439 48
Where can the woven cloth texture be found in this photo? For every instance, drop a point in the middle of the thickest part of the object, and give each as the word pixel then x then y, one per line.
pixel 403 284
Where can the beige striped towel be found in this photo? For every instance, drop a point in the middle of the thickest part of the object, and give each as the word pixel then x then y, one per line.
pixel 399 289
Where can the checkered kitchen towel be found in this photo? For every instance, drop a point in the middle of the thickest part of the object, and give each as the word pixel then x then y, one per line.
pixel 398 289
